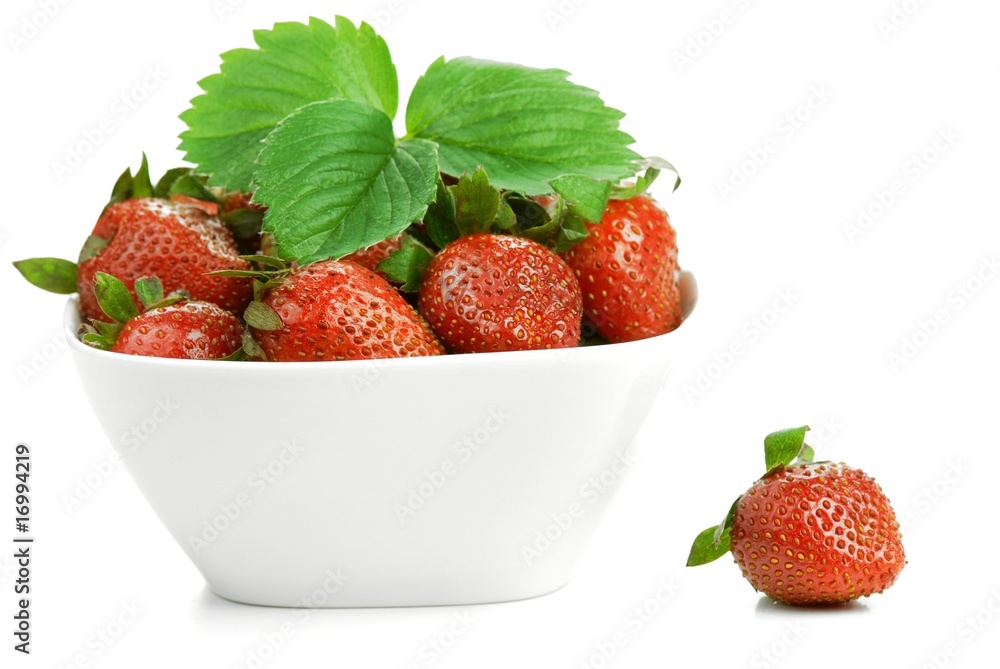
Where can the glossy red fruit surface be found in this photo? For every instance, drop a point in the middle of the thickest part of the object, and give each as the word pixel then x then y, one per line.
pixel 487 292
pixel 339 310
pixel 627 268
pixel 192 330
pixel 818 533
pixel 178 242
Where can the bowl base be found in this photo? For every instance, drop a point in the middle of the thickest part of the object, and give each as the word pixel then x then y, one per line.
pixel 375 602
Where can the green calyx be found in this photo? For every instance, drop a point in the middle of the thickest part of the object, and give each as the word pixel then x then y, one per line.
pixel 244 222
pixel 262 317
pixel 471 206
pixel 92 246
pixel 149 289
pixel 407 266
pixel 651 168
pixel 59 276
pixel 179 181
pixel 474 205
pixel 259 316
pixel 587 198
pixel 128 186
pixel 114 298
pixel 176 181
pixel 116 302
pixel 783 448
pixel 269 272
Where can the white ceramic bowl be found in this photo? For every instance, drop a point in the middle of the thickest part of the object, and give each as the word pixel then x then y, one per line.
pixel 443 480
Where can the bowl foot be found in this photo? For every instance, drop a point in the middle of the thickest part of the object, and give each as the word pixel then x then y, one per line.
pixel 381 600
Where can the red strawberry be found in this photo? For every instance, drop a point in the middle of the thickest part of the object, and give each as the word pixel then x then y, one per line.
pixel 487 292
pixel 194 330
pixel 338 310
pixel 178 242
pixel 627 268
pixel 169 230
pixel 808 533
pixel 817 533
pixel 171 327
pixel 376 253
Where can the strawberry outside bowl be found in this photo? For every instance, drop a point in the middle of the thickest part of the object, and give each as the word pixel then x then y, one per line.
pixel 420 481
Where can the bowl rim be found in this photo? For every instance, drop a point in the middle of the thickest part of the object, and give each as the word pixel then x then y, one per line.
pixel 72 320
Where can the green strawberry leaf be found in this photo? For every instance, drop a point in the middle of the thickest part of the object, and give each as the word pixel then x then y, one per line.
pixel 335 180
pixel 783 446
pixel 114 298
pixel 476 203
pixel 262 317
pixel 407 265
pixel 52 274
pixel 708 547
pixel 525 126
pixel 149 289
pixel 294 65
pixel 585 197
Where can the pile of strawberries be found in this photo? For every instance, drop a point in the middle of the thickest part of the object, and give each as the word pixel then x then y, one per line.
pixel 210 284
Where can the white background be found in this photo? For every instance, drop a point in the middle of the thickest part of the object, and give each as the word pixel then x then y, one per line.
pixel 889 93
